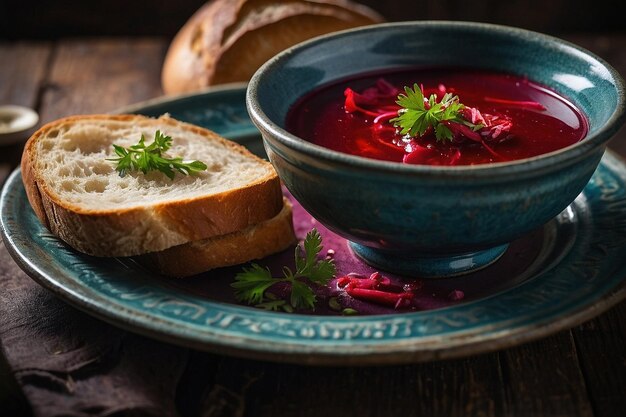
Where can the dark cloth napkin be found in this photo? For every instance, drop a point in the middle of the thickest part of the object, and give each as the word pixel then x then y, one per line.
pixel 69 364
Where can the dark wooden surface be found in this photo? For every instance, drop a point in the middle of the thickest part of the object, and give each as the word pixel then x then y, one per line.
pixel 578 372
pixel 36 19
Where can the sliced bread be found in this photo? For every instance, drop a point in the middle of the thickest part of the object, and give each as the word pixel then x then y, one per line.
pixel 255 242
pixel 228 40
pixel 76 192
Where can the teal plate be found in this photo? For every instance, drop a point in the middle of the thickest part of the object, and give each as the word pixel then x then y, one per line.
pixel 581 274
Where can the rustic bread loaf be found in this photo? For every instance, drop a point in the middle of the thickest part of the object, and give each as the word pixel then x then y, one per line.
pixel 255 242
pixel 228 40
pixel 80 197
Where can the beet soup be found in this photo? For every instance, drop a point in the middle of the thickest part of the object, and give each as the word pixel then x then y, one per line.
pixel 438 117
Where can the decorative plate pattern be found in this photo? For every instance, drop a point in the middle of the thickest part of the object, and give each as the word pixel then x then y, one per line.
pixel 584 277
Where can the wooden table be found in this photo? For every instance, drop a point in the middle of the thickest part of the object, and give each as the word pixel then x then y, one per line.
pixel 578 372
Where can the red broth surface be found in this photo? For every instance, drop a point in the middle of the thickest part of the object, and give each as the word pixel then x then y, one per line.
pixel 321 118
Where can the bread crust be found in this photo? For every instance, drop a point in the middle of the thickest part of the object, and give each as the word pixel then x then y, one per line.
pixel 152 226
pixel 255 242
pixel 220 43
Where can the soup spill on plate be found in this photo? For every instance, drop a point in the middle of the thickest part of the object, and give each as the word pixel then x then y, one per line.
pixel 467 117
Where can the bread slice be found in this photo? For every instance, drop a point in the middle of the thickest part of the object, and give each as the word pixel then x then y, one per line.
pixel 255 242
pixel 80 197
pixel 228 40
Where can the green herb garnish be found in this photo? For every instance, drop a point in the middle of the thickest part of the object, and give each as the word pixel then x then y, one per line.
pixel 252 285
pixel 148 158
pixel 416 117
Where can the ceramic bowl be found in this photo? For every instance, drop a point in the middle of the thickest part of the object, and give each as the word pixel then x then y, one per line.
pixel 17 123
pixel 434 221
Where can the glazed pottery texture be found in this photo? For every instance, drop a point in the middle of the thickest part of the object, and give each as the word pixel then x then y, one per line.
pixel 396 213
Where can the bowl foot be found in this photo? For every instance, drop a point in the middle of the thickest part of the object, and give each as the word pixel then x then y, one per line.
pixel 429 266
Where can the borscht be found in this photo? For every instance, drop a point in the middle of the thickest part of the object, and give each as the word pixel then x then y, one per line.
pixel 438 117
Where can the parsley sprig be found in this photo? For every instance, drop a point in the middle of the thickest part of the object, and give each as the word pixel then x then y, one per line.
pixel 414 118
pixel 146 158
pixel 251 286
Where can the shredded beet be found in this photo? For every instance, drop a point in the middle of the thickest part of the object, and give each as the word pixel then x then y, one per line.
pixel 355 102
pixel 396 300
pixel 385 116
pixel 378 289
pixel 473 115
pixel 462 132
pixel 496 128
pixel 488 128
pixel 373 101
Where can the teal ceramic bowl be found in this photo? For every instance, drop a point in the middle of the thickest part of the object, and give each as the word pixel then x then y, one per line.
pixel 434 221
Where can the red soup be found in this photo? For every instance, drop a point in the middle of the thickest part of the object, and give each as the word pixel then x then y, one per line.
pixel 438 117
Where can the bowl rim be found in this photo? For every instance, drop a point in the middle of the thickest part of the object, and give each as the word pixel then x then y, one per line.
pixel 27 118
pixel 567 155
